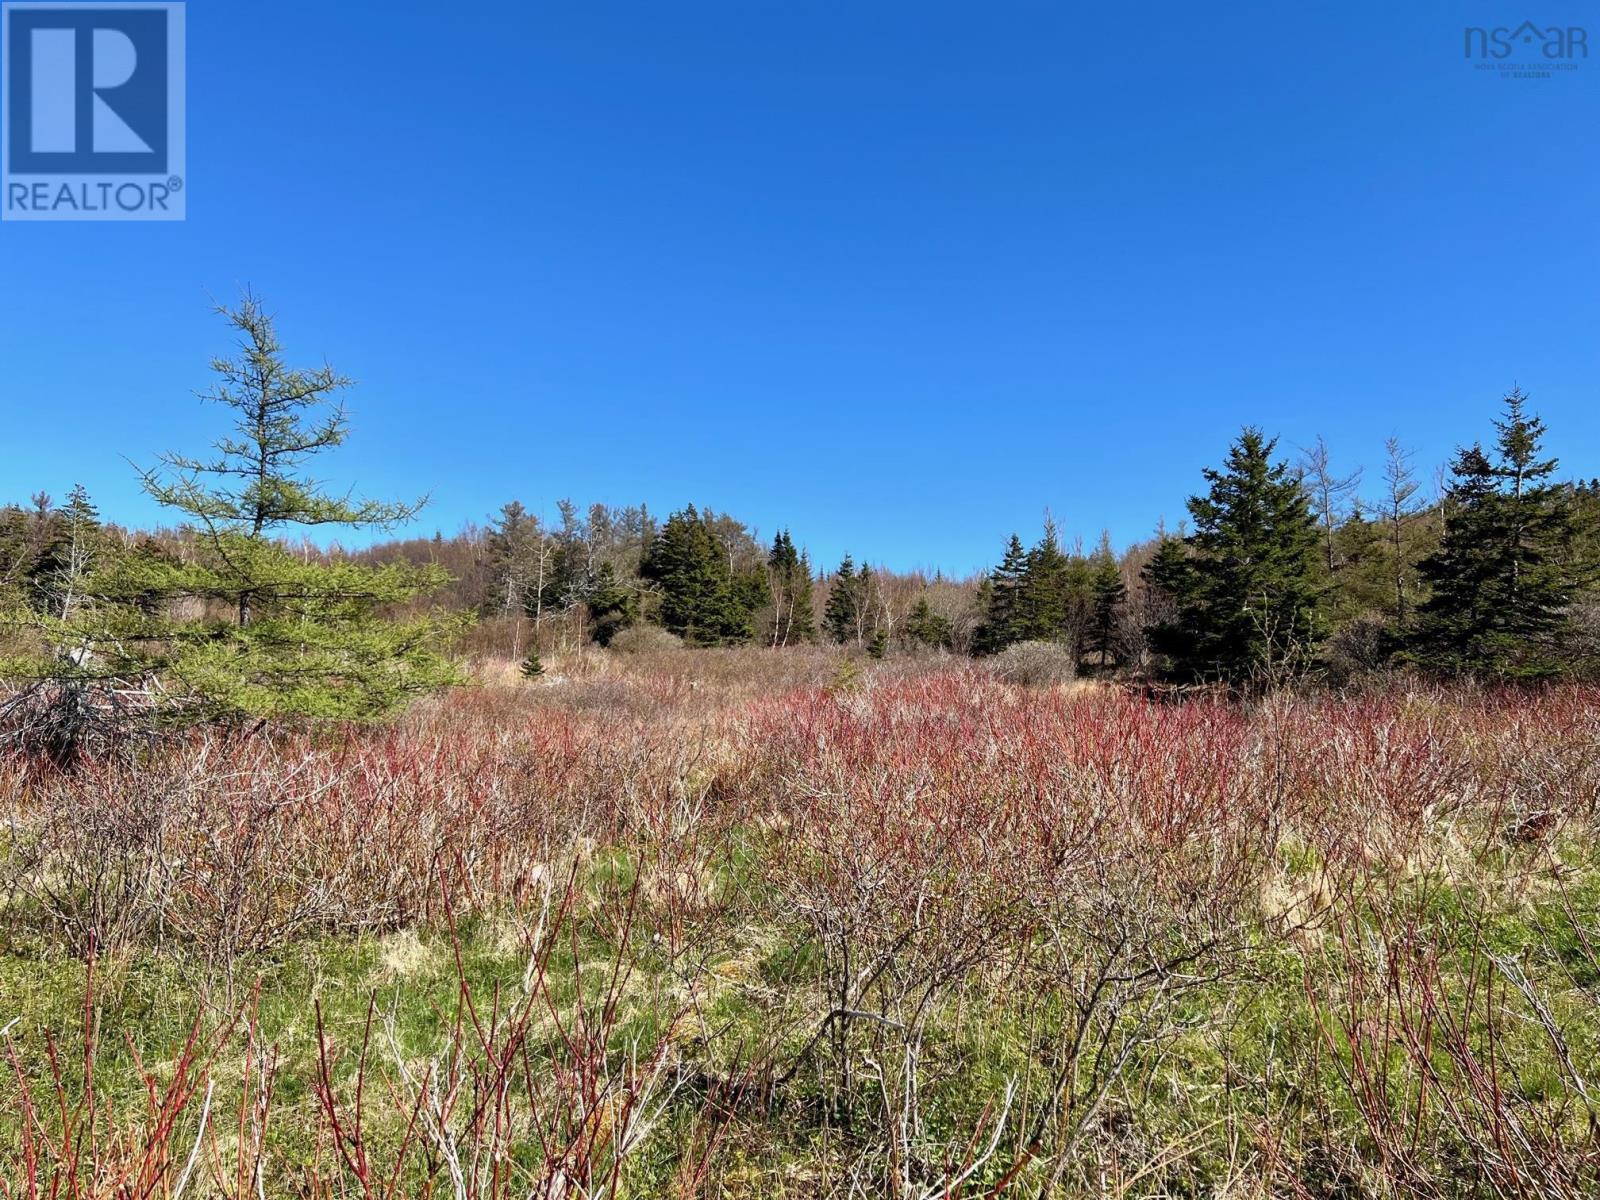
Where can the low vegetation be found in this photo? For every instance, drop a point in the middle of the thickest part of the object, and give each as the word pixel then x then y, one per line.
pixel 673 923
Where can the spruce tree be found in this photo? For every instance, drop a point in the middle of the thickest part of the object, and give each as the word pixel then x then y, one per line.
pixel 1166 581
pixel 841 618
pixel 1108 595
pixel 517 554
pixel 686 567
pixel 60 578
pixel 1044 597
pixel 25 537
pixel 789 583
pixel 1500 580
pixel 924 627
pixel 1002 613
pixel 612 606
pixel 802 614
pixel 1080 604
pixel 1248 605
pixel 701 599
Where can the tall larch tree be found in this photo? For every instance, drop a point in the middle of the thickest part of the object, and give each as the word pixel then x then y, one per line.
pixel 240 625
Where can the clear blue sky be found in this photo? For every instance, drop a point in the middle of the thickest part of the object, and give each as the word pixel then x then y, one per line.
pixel 897 275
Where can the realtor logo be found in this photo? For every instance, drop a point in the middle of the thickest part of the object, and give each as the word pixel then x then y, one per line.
pixel 91 112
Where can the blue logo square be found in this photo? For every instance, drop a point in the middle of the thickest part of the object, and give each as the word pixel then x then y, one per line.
pixel 91 111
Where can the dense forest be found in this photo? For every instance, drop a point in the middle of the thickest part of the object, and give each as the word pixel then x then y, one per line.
pixel 1286 569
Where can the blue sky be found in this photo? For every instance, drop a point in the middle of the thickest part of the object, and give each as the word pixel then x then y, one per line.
pixel 897 275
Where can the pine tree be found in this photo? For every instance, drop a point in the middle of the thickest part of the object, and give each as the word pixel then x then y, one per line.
pixel 1364 586
pixel 1500 581
pixel 1080 604
pixel 1248 605
pixel 684 564
pixel 1002 615
pixel 531 667
pixel 1583 550
pixel 1108 595
pixel 879 645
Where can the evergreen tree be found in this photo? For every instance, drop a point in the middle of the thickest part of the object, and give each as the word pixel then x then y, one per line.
pixel 1166 580
pixel 612 606
pixel 253 488
pixel 60 577
pixel 1108 595
pixel 842 617
pixel 749 595
pixel 1248 605
pixel 24 538
pixel 1364 585
pixel 789 583
pixel 1044 597
pixel 299 637
pixel 802 614
pixel 1080 604
pixel 517 555
pixel 924 627
pixel 1583 548
pixel 1500 580
pixel 1002 611
pixel 879 645
pixel 701 600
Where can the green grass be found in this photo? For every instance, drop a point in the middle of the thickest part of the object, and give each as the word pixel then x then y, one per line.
pixel 1238 1052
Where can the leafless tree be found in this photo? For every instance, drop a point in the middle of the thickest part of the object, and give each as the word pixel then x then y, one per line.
pixel 1400 505
pixel 1331 495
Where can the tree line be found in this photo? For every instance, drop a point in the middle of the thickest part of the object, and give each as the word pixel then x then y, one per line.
pixel 1283 570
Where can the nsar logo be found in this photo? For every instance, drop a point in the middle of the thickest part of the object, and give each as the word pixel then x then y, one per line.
pixel 1571 41
pixel 91 112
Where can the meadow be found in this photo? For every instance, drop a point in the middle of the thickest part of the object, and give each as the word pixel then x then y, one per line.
pixel 750 923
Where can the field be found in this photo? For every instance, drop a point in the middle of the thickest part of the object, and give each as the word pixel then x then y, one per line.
pixel 764 924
